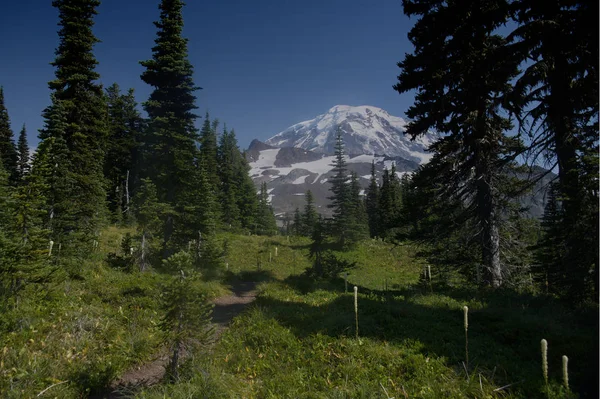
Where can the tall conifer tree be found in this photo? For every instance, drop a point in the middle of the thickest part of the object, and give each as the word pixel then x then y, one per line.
pixel 229 159
pixel 556 101
pixel 170 138
pixel 208 152
pixel 124 129
pixel 372 203
pixel 84 113
pixel 23 149
pixel 310 216
pixel 340 190
pixel 453 41
pixel 8 151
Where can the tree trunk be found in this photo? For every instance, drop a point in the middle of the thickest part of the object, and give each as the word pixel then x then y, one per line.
pixel 175 361
pixel 143 253
pixel 127 211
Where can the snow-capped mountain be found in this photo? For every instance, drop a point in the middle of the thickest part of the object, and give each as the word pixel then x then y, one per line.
pixel 365 130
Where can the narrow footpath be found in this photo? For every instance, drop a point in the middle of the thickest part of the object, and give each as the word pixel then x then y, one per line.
pixel 147 374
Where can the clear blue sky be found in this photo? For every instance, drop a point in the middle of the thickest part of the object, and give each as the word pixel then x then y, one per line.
pixel 264 64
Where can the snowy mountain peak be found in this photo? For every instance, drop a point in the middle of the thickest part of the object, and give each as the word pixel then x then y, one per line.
pixel 365 129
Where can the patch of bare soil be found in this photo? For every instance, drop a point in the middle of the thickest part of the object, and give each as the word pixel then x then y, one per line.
pixel 152 372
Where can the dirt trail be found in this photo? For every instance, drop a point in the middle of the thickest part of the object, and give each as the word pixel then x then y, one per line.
pixel 226 308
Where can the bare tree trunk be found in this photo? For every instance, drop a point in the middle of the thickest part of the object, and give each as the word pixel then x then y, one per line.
pixel 175 361
pixel 127 210
pixel 143 253
pixel 490 234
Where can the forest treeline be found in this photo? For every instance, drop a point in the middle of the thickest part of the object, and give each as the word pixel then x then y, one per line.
pixel 100 161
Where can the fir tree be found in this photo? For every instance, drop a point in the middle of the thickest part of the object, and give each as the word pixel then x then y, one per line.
pixel 247 200
pixel 187 313
pixel 359 225
pixel 556 102
pixel 229 161
pixel 265 220
pixel 52 169
pixel 298 228
pixel 310 215
pixel 82 99
pixel 170 137
pixel 372 204
pixel 124 129
pixel 23 147
pixel 208 151
pixel 453 41
pixel 23 243
pixel 8 151
pixel 149 214
pixel 340 190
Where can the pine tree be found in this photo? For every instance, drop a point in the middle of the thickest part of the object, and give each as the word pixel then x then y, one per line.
pixel 229 161
pixel 53 171
pixel 310 215
pixel 265 220
pixel 298 228
pixel 170 137
pixel 208 151
pixel 200 212
pixel 8 151
pixel 556 102
pixel 149 214
pixel 187 313
pixel 124 129
pixel 453 41
pixel 372 204
pixel 23 147
pixel 340 190
pixel 84 130
pixel 23 243
pixel 359 225
pixel 388 206
pixel 247 200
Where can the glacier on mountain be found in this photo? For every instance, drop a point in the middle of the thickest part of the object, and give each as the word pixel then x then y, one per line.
pixel 365 129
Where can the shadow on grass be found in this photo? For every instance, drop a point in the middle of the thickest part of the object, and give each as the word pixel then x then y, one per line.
pixel 505 328
pixel 257 276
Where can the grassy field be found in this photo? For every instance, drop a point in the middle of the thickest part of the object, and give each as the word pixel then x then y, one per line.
pixel 299 339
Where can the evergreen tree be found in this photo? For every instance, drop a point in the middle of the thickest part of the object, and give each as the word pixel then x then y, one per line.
pixel 23 243
pixel 389 203
pixel 208 152
pixel 149 214
pixel 359 224
pixel 453 41
pixel 84 131
pixel 124 125
pixel 187 313
pixel 53 171
pixel 372 204
pixel 247 201
pixel 298 228
pixel 170 137
pixel 8 151
pixel 556 102
pixel 200 213
pixel 265 220
pixel 309 216
pixel 23 147
pixel 340 190
pixel 229 161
